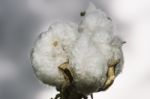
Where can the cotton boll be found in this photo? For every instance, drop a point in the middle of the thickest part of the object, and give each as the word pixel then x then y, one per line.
pixel 88 56
pixel 88 65
pixel 51 50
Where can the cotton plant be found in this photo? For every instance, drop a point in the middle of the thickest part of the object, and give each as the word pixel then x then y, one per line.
pixel 79 59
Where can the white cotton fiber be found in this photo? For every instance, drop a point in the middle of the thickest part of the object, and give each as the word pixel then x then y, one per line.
pixel 88 64
pixel 51 50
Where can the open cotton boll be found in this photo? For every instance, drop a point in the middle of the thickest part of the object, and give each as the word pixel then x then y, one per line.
pixel 88 64
pixel 51 50
pixel 79 59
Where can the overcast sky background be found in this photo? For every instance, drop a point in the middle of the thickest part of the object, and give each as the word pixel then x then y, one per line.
pixel 21 21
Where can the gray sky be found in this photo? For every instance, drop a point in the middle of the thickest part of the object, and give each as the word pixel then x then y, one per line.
pixel 21 21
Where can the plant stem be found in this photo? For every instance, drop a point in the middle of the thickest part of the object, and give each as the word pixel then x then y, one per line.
pixel 68 93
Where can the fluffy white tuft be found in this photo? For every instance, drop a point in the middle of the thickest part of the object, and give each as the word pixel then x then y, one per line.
pixel 88 64
pixel 51 50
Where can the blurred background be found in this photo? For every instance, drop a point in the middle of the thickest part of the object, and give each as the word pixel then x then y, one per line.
pixel 21 21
